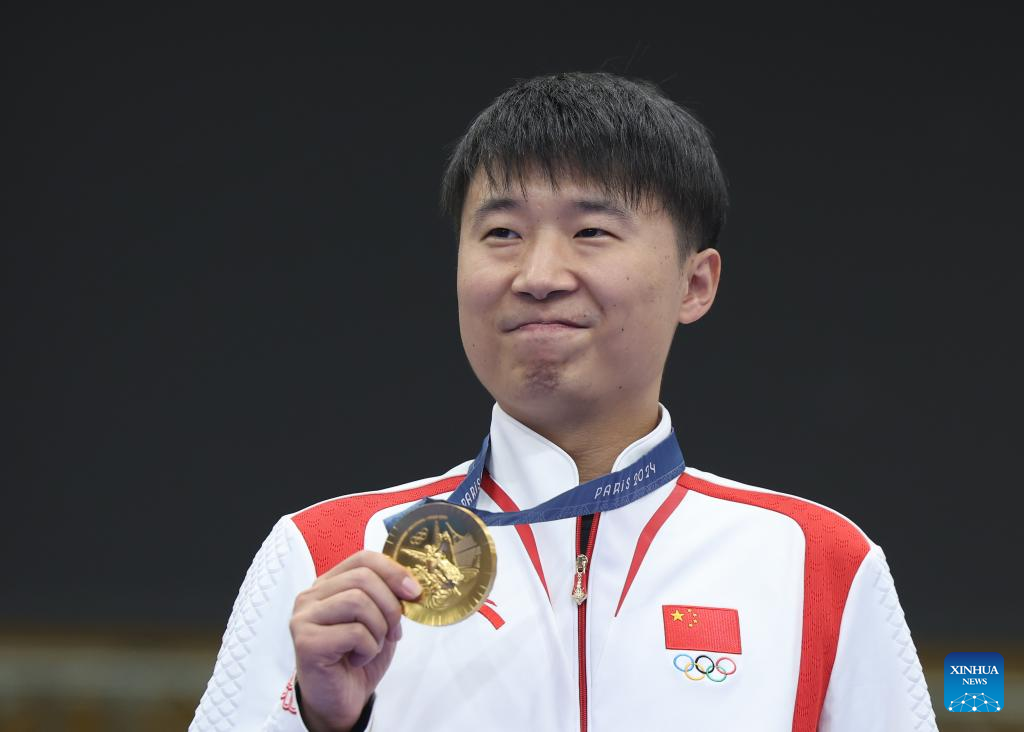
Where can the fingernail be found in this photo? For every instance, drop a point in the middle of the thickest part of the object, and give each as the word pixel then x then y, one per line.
pixel 411 588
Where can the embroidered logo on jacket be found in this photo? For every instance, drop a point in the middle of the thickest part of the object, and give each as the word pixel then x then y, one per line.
pixel 690 627
pixel 702 631
pixel 288 696
pixel 703 667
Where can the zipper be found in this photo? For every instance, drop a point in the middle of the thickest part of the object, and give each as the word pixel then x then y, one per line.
pixel 579 596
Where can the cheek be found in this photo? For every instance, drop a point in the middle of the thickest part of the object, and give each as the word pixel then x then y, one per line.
pixel 478 297
pixel 642 319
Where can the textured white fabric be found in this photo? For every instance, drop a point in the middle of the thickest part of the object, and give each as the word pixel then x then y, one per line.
pixel 255 659
pixel 877 683
pixel 709 552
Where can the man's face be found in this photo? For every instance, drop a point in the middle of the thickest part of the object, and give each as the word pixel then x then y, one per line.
pixel 567 300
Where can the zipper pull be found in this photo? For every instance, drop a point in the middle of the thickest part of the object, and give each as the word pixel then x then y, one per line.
pixel 578 593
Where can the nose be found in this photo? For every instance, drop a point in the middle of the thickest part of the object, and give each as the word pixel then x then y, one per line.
pixel 544 268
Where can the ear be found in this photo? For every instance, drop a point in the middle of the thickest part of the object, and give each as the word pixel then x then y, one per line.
pixel 701 273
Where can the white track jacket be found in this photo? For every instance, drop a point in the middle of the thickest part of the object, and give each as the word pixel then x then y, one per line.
pixel 802 629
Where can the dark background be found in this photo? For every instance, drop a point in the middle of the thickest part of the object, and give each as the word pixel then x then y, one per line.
pixel 227 292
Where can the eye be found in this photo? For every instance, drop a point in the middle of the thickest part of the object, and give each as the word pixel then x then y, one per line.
pixel 500 233
pixel 599 232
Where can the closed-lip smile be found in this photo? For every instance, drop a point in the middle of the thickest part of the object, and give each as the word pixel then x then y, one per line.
pixel 545 323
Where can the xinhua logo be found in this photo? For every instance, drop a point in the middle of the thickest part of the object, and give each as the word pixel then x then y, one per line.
pixel 974 682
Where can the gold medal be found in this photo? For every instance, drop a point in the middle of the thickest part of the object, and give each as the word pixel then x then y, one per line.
pixel 450 552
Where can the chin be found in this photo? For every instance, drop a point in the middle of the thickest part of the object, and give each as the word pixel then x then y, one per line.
pixel 545 389
pixel 542 379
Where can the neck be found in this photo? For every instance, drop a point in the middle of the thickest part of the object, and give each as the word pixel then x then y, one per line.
pixel 594 441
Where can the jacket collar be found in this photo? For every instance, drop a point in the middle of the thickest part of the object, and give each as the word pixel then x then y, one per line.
pixel 532 469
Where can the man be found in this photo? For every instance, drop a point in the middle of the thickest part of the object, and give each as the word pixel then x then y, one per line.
pixel 586 207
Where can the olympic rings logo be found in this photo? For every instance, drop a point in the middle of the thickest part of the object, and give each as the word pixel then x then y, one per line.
pixel 706 669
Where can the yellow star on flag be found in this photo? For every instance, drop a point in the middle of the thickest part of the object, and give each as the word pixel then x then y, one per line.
pixel 677 615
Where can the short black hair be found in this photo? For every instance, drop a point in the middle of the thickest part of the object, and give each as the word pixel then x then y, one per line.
pixel 622 133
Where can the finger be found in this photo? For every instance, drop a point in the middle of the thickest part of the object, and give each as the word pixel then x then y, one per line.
pixel 318 645
pixel 365 579
pixel 349 606
pixel 395 576
pixel 388 651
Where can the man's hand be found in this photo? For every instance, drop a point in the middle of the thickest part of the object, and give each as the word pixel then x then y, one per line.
pixel 344 629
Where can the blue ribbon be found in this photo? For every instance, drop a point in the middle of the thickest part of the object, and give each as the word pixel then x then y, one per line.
pixel 662 463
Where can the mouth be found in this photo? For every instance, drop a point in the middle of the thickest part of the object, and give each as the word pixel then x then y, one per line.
pixel 547 326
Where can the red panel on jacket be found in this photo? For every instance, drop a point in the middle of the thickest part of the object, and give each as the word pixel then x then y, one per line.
pixel 834 550
pixel 335 530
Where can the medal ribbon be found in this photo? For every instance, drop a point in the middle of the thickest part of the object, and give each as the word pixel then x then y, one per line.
pixel 662 463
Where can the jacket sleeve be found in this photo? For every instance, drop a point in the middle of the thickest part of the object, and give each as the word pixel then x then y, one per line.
pixel 876 682
pixel 251 685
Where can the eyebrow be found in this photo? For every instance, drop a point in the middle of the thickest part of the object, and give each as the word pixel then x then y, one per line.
pixel 584 205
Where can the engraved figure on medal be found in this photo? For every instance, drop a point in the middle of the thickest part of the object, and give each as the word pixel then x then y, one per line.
pixel 435 567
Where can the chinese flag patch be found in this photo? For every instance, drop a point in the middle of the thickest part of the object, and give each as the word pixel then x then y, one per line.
pixel 693 628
